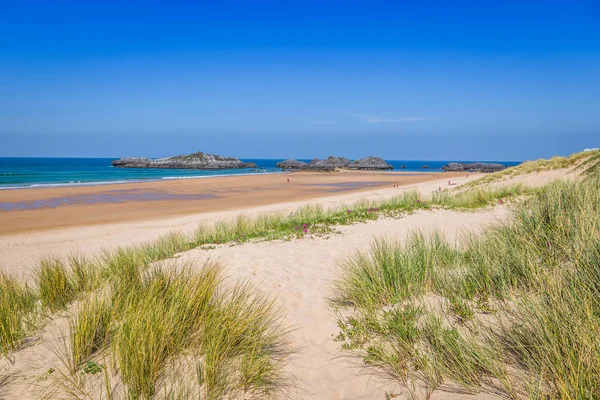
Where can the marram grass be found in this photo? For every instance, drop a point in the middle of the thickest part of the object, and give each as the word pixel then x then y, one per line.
pixel 56 289
pixel 518 304
pixel 17 305
pixel 587 162
pixel 176 331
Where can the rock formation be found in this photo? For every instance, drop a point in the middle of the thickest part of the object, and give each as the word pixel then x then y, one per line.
pixel 473 167
pixel 196 160
pixel 291 164
pixel 375 163
pixel 329 164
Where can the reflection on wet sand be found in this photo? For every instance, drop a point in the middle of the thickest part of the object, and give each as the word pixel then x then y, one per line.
pixel 110 196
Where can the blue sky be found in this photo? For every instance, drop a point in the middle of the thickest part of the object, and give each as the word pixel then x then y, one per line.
pixel 495 80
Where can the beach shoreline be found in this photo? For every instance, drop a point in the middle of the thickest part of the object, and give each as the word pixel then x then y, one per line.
pixel 22 249
pixel 39 209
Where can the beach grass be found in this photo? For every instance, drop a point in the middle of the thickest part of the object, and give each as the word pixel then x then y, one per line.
pixel 585 161
pixel 56 289
pixel 177 330
pixel 17 305
pixel 518 304
pixel 89 330
pixel 316 220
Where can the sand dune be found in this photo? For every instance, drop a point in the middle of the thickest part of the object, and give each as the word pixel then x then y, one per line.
pixel 299 274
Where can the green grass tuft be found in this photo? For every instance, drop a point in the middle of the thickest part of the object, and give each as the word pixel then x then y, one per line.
pixel 587 161
pixel 56 290
pixel 17 304
pixel 174 333
pixel 523 296
pixel 89 330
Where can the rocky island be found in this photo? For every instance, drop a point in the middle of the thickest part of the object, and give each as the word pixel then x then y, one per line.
pixel 327 165
pixel 198 160
pixel 473 167
pixel 370 163
pixel 332 163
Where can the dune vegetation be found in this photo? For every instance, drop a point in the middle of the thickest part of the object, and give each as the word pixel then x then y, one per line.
pixel 515 309
pixel 585 162
pixel 58 283
pixel 176 333
pixel 138 331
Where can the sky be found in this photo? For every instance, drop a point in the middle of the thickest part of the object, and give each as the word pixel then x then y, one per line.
pixel 427 80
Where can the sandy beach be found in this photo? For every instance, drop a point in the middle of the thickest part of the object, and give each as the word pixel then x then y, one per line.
pixel 38 209
pixel 26 236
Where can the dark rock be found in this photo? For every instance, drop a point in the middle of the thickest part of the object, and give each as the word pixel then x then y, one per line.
pixel 338 162
pixel 291 164
pixel 473 167
pixel 196 160
pixel 454 167
pixel 374 163
pixel 425 166
pixel 403 167
pixel 332 163
pixel 329 164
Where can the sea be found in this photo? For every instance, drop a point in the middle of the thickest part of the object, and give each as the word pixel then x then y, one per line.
pixel 18 173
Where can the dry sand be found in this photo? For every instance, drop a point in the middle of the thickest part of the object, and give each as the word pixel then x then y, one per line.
pixel 298 273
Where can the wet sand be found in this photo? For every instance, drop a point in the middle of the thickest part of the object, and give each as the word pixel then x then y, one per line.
pixel 27 210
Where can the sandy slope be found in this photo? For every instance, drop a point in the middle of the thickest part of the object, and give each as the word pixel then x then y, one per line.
pixel 300 274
